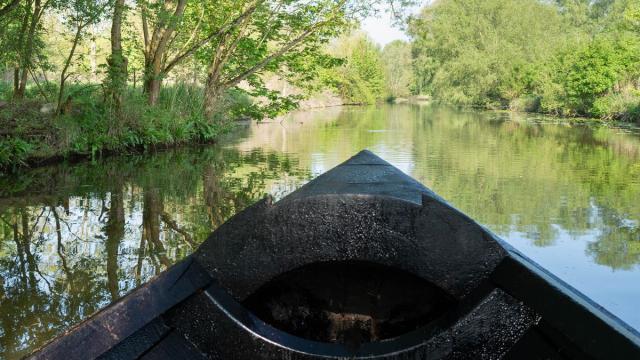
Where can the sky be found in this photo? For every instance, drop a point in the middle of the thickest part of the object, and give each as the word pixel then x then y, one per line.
pixel 381 29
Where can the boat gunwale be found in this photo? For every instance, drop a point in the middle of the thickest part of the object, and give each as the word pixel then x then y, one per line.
pixel 97 329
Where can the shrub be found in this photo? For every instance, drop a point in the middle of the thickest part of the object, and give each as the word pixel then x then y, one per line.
pixel 623 106
pixel 13 153
pixel 526 103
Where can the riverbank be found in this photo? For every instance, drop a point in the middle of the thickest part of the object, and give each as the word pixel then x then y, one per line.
pixel 532 115
pixel 31 135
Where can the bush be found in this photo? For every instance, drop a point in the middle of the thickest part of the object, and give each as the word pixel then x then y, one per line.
pixel 594 70
pixel 526 103
pixel 13 153
pixel 6 90
pixel 623 106
pixel 589 79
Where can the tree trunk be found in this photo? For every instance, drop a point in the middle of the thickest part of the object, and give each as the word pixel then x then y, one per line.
pixel 23 267
pixel 26 247
pixel 117 78
pixel 152 208
pixel 152 88
pixel 63 75
pixel 22 87
pixel 93 58
pixel 211 102
pixel 60 248
pixel 27 50
pixel 155 49
pixel 212 94
pixel 153 75
pixel 213 196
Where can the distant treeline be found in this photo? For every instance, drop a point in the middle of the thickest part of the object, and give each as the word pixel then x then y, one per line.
pixel 563 57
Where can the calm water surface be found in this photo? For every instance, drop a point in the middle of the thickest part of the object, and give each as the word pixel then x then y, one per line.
pixel 75 238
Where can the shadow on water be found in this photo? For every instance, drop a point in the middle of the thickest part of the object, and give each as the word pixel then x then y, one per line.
pixel 75 238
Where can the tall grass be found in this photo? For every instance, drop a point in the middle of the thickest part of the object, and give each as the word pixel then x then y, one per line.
pixel 92 128
pixel 13 153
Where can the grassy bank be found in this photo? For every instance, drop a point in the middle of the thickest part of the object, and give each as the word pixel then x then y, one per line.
pixel 31 134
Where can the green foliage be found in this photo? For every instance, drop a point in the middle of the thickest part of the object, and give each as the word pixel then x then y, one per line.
pixel 568 57
pixel 396 57
pixel 594 70
pixel 361 77
pixel 623 106
pixel 591 79
pixel 5 91
pixel 479 52
pixel 90 129
pixel 269 39
pixel 13 153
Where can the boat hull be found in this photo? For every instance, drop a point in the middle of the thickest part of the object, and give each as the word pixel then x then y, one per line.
pixel 362 262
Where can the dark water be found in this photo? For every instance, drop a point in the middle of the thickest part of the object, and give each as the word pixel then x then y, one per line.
pixel 75 238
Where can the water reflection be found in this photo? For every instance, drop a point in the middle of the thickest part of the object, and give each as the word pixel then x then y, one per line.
pixel 69 251
pixel 75 238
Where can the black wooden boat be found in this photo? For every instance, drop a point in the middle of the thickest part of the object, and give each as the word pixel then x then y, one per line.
pixel 361 263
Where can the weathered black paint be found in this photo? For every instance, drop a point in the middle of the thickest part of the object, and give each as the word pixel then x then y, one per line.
pixel 365 209
pixel 501 305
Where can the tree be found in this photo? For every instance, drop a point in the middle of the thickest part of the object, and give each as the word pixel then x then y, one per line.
pixel 174 38
pixel 270 37
pixel 116 81
pixel 6 8
pixel 398 68
pixel 26 42
pixel 466 50
pixel 79 15
pixel 8 19
pixel 240 40
pixel 632 15
pixel 589 73
pixel 283 38
pixel 360 78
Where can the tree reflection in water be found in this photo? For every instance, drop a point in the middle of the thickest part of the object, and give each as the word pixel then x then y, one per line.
pixel 107 228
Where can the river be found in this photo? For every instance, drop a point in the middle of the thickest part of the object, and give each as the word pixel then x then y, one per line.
pixel 74 238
